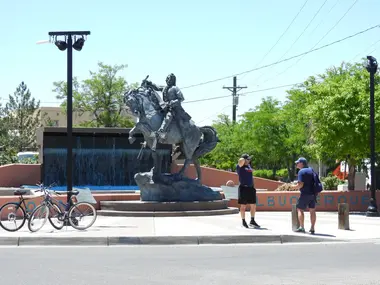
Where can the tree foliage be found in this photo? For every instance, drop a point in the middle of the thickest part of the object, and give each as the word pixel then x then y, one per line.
pixel 101 95
pixel 20 118
pixel 340 115
pixel 326 118
pixel 225 153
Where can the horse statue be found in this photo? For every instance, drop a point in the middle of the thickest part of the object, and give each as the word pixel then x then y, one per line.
pixel 190 140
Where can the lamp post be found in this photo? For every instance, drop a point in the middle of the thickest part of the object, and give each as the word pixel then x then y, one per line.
pixel 62 45
pixel 372 68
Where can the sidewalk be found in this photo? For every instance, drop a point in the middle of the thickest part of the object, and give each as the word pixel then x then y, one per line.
pixel 276 228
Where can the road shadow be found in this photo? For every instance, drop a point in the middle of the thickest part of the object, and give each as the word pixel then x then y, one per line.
pixel 358 213
pixel 322 235
pixel 260 229
pixel 118 227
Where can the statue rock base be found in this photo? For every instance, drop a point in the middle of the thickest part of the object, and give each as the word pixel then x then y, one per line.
pixel 173 188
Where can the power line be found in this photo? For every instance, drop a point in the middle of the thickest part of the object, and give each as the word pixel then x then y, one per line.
pixel 271 88
pixel 373 44
pixel 316 27
pixel 213 114
pixel 300 35
pixel 278 40
pixel 241 94
pixel 325 35
pixel 337 23
pixel 284 60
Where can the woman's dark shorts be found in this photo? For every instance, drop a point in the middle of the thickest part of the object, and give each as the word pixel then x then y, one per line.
pixel 247 195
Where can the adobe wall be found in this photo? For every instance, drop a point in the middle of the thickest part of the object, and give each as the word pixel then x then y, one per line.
pixel 215 178
pixel 15 175
pixel 327 201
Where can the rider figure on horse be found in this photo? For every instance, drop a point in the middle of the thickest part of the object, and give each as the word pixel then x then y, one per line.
pixel 173 98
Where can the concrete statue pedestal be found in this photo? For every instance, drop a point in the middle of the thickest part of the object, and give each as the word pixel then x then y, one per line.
pixel 169 195
pixel 173 188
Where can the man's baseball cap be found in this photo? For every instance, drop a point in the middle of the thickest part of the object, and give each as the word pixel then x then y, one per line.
pixel 301 159
pixel 246 156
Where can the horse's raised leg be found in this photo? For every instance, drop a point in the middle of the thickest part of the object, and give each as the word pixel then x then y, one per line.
pixel 197 166
pixel 156 170
pixel 184 167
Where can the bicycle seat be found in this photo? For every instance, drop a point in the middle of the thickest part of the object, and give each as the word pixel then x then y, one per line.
pixel 73 192
pixel 20 192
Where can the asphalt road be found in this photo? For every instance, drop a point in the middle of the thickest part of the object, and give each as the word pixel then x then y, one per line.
pixel 256 264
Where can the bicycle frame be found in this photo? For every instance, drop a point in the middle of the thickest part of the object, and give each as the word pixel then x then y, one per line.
pixel 21 203
pixel 49 200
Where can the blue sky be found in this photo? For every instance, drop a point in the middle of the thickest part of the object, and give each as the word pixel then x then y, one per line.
pixel 197 40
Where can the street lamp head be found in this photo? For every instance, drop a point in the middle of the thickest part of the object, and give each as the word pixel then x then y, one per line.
pixel 78 45
pixel 61 45
pixel 372 64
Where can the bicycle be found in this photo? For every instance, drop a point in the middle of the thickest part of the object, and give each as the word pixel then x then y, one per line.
pixel 73 213
pixel 16 211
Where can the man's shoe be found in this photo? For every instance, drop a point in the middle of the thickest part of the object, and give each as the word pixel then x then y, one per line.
pixel 245 224
pixel 312 231
pixel 300 230
pixel 254 224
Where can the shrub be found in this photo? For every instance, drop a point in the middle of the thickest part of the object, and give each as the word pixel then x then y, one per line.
pixel 8 157
pixel 331 182
pixel 268 174
pixel 282 174
pixel 264 173
pixel 285 187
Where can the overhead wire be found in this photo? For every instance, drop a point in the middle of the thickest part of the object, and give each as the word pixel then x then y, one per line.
pixel 241 94
pixel 373 44
pixel 323 37
pixel 317 26
pixel 296 40
pixel 283 60
pixel 216 113
pixel 278 40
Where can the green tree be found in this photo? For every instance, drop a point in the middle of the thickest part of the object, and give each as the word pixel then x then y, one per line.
pixel 227 152
pixel 48 122
pixel 340 115
pixel 296 119
pixel 101 95
pixel 21 118
pixel 265 130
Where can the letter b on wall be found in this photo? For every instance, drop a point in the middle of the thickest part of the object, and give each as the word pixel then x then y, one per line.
pixel 270 201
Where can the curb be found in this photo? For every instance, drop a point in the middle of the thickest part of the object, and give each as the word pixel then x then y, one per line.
pixel 157 240
pixel 218 212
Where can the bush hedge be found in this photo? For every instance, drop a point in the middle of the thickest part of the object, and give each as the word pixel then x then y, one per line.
pixel 268 174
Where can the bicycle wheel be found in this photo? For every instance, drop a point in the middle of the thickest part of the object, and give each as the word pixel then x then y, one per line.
pixel 77 215
pixel 56 216
pixel 39 214
pixel 10 214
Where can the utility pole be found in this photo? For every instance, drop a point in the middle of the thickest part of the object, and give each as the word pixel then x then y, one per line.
pixel 235 98
pixel 371 67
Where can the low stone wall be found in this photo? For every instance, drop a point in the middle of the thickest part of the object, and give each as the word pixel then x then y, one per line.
pixel 266 200
pixel 15 175
pixel 214 177
pixel 282 201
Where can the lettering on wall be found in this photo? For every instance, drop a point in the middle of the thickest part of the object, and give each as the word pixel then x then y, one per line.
pixel 326 199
